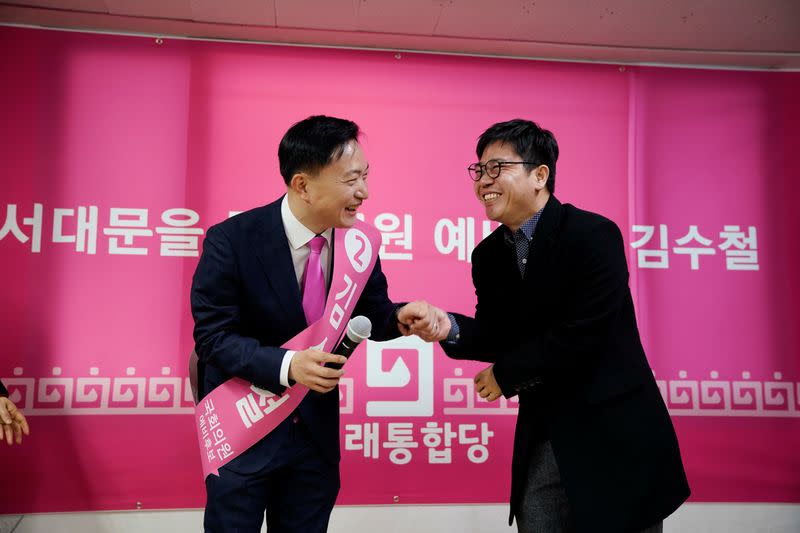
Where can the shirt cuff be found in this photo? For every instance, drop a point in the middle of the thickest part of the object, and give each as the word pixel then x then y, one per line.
pixel 454 334
pixel 287 360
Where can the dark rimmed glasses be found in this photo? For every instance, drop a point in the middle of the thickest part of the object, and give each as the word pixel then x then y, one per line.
pixel 492 168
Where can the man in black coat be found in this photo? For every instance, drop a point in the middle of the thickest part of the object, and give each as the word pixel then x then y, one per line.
pixel 594 448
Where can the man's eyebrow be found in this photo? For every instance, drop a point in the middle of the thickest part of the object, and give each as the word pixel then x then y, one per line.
pixel 357 171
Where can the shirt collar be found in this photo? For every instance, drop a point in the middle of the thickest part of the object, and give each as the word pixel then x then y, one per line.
pixel 527 227
pixel 296 232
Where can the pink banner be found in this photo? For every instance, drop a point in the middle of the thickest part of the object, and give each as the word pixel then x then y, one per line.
pixel 714 255
pixel 119 152
pixel 236 415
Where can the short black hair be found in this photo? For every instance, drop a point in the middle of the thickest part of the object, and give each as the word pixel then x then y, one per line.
pixel 313 143
pixel 531 142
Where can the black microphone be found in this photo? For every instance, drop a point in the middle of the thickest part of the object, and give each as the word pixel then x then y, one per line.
pixel 358 329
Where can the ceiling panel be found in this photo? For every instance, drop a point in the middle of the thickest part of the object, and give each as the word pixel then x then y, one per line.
pixel 728 33
pixel 167 9
pixel 253 12
pixel 480 20
pixel 413 17
pixel 338 15
pixel 77 5
pixel 768 25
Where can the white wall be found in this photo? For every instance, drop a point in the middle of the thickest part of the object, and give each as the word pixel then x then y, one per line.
pixel 694 518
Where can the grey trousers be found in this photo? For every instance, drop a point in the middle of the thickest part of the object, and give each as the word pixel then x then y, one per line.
pixel 544 507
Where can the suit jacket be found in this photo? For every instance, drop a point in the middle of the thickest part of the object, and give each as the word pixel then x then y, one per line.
pixel 246 303
pixel 565 339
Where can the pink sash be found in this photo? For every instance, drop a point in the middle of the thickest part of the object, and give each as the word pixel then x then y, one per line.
pixel 236 415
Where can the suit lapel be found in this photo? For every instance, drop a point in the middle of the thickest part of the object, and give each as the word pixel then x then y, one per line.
pixel 272 250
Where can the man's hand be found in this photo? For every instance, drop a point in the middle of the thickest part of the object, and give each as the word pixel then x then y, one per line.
pixel 306 368
pixel 13 422
pixel 426 321
pixel 486 385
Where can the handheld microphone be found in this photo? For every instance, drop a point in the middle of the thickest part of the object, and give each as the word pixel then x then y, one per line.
pixel 358 329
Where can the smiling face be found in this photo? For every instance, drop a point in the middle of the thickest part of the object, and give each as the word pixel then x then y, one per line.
pixel 332 195
pixel 517 193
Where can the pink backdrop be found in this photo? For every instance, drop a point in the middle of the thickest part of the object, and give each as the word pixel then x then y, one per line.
pixel 118 153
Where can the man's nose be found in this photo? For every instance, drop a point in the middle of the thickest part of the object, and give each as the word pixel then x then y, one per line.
pixel 363 190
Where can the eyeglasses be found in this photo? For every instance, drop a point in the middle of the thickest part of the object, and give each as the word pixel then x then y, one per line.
pixel 492 168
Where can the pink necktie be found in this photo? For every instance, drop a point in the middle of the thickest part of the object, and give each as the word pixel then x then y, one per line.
pixel 314 282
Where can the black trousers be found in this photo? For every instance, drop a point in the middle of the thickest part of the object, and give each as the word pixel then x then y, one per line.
pixel 544 507
pixel 297 489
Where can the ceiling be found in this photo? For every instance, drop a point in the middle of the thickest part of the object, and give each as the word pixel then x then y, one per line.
pixel 757 34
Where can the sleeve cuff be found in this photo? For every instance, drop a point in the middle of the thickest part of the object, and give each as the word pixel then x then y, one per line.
pixel 454 335
pixel 287 360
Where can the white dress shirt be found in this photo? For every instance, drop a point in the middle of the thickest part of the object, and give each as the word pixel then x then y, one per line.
pixel 299 237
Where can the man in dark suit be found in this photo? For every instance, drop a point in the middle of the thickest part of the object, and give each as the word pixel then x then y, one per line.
pixel 594 449
pixel 12 422
pixel 249 297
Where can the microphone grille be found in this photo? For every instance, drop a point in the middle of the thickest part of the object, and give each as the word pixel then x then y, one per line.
pixel 359 327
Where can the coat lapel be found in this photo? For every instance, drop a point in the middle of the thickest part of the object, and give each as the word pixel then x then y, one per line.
pixel 272 250
pixel 544 238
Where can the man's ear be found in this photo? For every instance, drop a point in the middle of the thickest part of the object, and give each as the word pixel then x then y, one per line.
pixel 299 184
pixel 540 176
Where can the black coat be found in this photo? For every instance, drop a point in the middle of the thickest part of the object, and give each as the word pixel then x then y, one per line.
pixel 564 338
